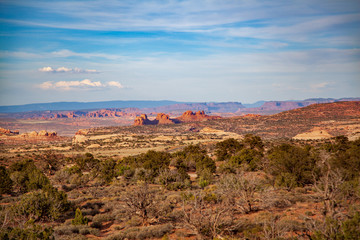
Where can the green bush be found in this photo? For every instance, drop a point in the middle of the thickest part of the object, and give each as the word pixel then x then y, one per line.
pixel 27 177
pixel 250 158
pixel 44 204
pixel 79 218
pixel 30 231
pixel 149 232
pixel 227 148
pixel 87 162
pixel 5 181
pixel 205 178
pixel 173 180
pixel 151 161
pixel 253 142
pixel 294 161
pixel 107 170
pixel 346 156
pixel 204 162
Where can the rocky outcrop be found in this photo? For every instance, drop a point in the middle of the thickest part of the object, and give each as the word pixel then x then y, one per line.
pixel 40 134
pixel 104 113
pixel 82 132
pixel 190 116
pixel 142 120
pixel 8 131
pixel 162 118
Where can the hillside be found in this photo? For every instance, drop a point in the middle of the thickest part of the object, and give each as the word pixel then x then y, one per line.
pixel 339 118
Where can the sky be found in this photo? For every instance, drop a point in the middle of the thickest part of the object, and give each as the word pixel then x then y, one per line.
pixel 181 50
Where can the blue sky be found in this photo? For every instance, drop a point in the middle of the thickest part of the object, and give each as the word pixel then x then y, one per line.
pixel 203 50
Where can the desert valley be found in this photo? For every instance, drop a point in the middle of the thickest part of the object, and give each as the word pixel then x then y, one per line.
pixel 132 174
pixel 179 120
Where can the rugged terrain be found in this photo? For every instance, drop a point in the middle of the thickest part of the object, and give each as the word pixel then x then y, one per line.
pixel 244 177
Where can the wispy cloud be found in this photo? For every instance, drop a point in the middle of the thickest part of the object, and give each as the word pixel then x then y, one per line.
pixel 84 84
pixel 66 70
pixel 64 53
pixel 319 86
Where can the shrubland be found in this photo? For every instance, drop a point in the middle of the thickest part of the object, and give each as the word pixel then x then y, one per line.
pixel 233 189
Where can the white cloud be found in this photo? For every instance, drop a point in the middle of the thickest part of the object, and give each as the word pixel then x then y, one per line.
pixel 84 84
pixel 319 86
pixel 115 84
pixel 67 53
pixel 66 70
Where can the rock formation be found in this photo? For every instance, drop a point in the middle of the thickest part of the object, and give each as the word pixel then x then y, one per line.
pixel 8 131
pixel 142 120
pixel 162 118
pixel 105 113
pixel 39 134
pixel 190 116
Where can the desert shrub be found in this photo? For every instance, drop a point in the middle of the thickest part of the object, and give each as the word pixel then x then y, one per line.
pixel 250 158
pixel 107 170
pixel 346 156
pixel 205 178
pixel 271 198
pixel 151 161
pixel 62 176
pixel 173 180
pixel 185 160
pixel 239 190
pixel 206 219
pixel 330 228
pixel 145 203
pixel 87 162
pixel 294 161
pixel 253 142
pixel 73 230
pixel 286 180
pixel 27 177
pixel 99 219
pixel 145 175
pixel 79 218
pixel 227 148
pixel 227 167
pixel 204 162
pixel 91 208
pixel 5 181
pixel 30 231
pixel 48 203
pixel 150 232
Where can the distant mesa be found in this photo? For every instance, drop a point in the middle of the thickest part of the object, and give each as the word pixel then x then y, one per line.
pixel 101 113
pixel 162 118
pixel 190 116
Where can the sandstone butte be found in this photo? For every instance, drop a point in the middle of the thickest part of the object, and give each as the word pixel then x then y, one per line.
pixel 162 118
pixel 39 134
pixel 8 131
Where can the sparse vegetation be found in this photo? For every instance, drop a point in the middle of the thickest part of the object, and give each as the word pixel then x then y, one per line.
pixel 184 185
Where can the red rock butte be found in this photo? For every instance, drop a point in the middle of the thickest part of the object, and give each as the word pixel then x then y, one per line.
pixel 163 118
pixel 190 116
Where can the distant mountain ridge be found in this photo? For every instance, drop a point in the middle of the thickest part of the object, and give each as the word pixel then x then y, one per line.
pixel 173 107
pixel 70 106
